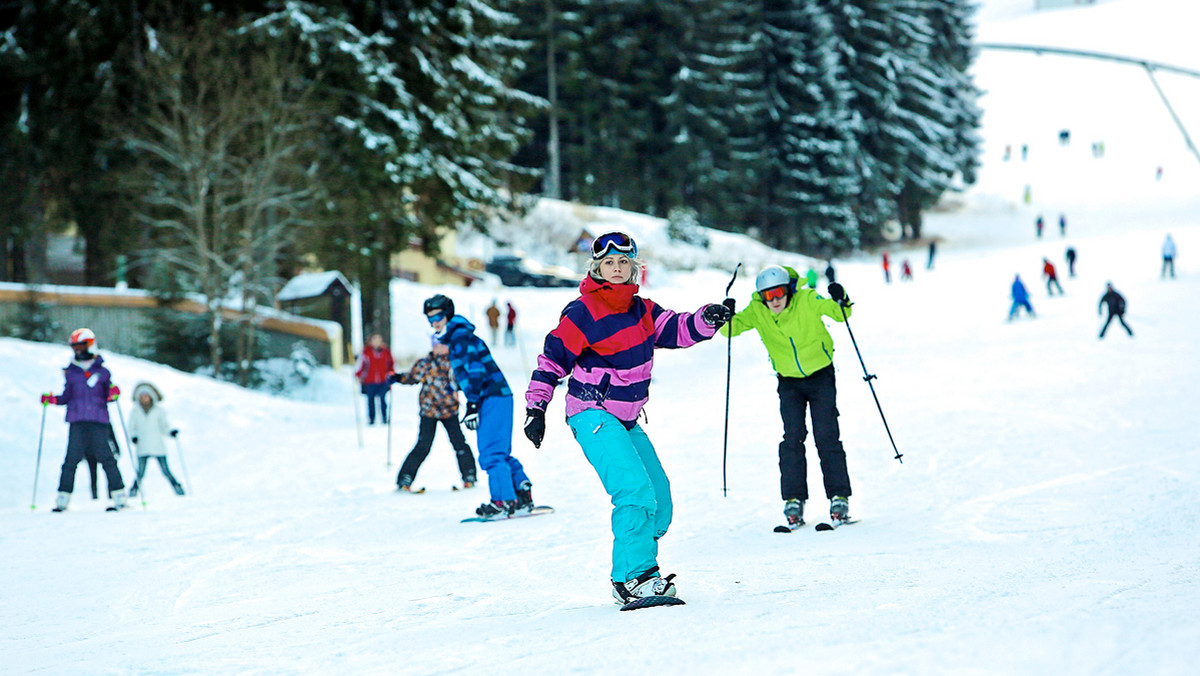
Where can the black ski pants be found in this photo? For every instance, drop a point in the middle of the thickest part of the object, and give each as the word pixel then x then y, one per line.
pixel 82 438
pixel 818 394
pixel 466 461
pixel 1118 317
pixel 162 465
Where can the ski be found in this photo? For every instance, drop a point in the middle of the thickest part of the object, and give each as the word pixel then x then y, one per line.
pixel 788 528
pixel 414 491
pixel 536 511
pixel 652 602
pixel 822 527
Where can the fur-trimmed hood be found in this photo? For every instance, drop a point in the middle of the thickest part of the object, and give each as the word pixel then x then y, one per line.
pixel 146 388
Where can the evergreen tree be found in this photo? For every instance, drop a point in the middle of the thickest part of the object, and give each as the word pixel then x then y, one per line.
pixel 809 179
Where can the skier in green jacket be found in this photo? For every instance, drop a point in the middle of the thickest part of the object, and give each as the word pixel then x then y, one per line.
pixel 789 322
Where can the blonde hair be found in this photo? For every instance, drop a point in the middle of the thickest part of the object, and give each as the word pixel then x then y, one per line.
pixel 635 269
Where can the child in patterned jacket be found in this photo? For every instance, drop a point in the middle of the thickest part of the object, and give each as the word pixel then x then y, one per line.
pixel 438 401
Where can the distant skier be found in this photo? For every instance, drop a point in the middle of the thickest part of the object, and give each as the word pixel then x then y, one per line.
pixel 1020 298
pixel 1051 276
pixel 887 268
pixel 905 270
pixel 830 272
pixel 1039 224
pixel 1116 309
pixel 438 401
pixel 1071 261
pixel 604 345
pixel 1168 256
pixel 1062 224
pixel 148 430
pixel 510 325
pixel 489 409
pixel 790 324
pixel 375 367
pixel 86 394
pixel 932 253
pixel 811 278
pixel 493 316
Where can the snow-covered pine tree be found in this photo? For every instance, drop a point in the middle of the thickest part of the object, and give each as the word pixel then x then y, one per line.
pixel 809 181
pixel 714 110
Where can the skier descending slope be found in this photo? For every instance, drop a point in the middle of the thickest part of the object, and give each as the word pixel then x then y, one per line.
pixel 605 343
pixel 790 323
pixel 86 394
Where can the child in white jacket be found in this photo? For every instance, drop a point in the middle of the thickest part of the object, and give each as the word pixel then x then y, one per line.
pixel 148 430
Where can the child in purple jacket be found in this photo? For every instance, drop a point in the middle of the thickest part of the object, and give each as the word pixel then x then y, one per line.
pixel 86 394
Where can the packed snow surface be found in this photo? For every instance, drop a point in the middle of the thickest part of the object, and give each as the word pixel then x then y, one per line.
pixel 1045 517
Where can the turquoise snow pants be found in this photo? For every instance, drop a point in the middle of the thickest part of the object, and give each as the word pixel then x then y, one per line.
pixel 633 477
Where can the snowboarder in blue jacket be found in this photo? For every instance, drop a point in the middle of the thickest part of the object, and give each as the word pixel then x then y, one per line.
pixel 489 409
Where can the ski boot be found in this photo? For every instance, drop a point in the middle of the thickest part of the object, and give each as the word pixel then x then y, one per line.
pixel 119 501
pixel 524 497
pixel 648 583
pixel 61 500
pixel 793 509
pixel 495 510
pixel 839 509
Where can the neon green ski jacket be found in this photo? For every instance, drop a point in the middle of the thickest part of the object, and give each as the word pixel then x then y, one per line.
pixel 796 339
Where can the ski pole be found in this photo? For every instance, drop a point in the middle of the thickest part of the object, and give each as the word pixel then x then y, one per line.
pixel 389 424
pixel 728 379
pixel 182 464
pixel 132 453
pixel 869 377
pixel 357 413
pixel 37 469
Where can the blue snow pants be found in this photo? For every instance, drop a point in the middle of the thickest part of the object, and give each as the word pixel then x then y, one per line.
pixel 494 439
pixel 633 477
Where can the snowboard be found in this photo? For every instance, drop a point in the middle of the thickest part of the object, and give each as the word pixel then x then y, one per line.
pixel 536 511
pixel 652 602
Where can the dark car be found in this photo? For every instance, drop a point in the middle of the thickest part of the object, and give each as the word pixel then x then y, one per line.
pixel 516 271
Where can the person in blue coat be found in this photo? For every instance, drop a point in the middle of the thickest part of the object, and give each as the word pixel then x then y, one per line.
pixel 489 410
pixel 1020 298
pixel 86 394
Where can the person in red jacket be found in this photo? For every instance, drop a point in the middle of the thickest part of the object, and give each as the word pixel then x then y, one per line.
pixel 1051 276
pixel 374 371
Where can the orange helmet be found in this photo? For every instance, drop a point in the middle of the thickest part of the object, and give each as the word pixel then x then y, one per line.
pixel 83 337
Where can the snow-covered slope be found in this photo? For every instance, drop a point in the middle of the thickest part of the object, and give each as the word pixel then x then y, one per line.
pixel 1044 520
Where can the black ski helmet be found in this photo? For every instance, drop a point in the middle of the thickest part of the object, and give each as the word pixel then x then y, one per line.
pixel 439 302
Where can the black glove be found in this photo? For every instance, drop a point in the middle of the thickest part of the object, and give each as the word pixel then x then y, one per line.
pixel 716 315
pixel 133 439
pixel 837 293
pixel 471 420
pixel 535 426
pixel 174 433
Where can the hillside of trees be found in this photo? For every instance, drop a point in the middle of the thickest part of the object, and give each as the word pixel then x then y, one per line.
pixel 220 147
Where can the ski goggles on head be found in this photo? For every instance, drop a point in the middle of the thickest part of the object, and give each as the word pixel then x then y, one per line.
pixel 773 293
pixel 435 318
pixel 613 243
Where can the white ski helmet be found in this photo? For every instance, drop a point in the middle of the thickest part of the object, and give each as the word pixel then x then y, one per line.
pixel 771 277
pixel 83 337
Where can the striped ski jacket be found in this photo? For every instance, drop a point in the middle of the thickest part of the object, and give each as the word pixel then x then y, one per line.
pixel 605 342
pixel 474 368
